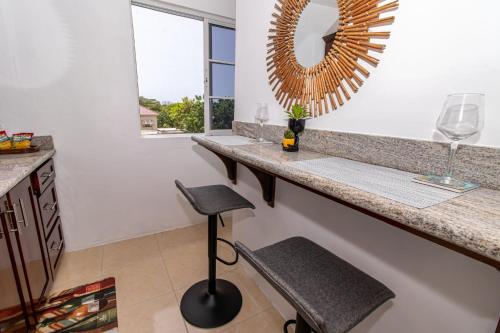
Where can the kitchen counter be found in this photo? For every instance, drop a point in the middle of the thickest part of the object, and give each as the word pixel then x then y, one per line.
pixel 469 224
pixel 16 167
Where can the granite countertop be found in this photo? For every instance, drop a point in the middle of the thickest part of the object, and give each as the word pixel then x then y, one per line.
pixel 16 167
pixel 470 221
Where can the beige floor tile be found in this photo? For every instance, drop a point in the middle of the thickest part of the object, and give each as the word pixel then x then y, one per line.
pixel 60 285
pixel 179 237
pixel 254 301
pixel 227 231
pixel 192 329
pixel 158 315
pixel 131 251
pixel 140 281
pixel 193 234
pixel 269 321
pixel 78 268
pixel 188 264
pixel 148 269
pixel 243 281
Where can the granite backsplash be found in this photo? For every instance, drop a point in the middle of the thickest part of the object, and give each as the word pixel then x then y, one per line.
pixel 473 163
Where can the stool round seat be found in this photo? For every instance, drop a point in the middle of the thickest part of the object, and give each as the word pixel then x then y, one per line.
pixel 331 295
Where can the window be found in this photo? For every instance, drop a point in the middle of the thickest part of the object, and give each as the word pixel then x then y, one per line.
pixel 185 70
pixel 220 81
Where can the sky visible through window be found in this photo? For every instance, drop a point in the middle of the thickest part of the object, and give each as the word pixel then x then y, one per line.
pixel 222 50
pixel 169 54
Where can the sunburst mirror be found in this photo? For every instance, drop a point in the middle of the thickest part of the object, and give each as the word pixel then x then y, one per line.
pixel 318 50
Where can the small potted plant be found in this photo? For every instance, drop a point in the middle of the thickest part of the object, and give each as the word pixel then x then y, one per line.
pixel 297 122
pixel 288 140
pixel 297 118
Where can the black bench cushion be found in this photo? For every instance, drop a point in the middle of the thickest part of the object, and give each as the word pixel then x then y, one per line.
pixel 213 199
pixel 328 292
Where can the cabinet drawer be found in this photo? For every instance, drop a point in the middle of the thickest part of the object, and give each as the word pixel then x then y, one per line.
pixel 49 207
pixel 44 176
pixel 55 244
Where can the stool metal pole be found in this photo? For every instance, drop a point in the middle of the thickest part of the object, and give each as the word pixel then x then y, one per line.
pixel 212 252
pixel 212 302
pixel 302 326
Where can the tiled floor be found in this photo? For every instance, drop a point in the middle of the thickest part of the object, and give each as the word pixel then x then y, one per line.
pixel 153 272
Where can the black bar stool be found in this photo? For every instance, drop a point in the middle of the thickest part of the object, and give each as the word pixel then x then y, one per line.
pixel 213 302
pixel 329 294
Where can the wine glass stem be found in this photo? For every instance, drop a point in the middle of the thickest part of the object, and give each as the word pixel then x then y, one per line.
pixel 453 152
pixel 261 131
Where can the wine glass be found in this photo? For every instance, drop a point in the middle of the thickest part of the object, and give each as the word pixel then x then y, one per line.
pixel 462 117
pixel 262 115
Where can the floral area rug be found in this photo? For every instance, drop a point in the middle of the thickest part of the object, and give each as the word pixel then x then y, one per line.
pixel 90 308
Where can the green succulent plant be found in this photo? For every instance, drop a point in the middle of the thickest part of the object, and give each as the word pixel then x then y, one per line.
pixel 289 134
pixel 298 112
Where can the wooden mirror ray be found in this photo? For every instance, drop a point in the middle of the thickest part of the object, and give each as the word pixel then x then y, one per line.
pixel 328 84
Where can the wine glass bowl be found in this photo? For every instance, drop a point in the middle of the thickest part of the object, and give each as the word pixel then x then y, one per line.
pixel 462 117
pixel 261 116
pixel 262 113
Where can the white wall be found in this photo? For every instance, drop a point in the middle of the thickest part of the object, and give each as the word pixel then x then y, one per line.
pixel 436 48
pixel 67 69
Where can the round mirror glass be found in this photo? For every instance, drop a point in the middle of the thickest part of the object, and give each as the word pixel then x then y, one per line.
pixel 315 32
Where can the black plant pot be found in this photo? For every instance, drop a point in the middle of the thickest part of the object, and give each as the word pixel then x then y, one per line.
pixel 296 126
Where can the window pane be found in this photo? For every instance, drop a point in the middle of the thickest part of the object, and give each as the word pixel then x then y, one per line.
pixel 222 84
pixel 170 67
pixel 223 43
pixel 221 114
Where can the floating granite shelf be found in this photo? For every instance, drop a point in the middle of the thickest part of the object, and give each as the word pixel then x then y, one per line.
pixel 467 224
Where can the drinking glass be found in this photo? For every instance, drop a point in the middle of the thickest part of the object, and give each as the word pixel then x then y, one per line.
pixel 262 115
pixel 462 117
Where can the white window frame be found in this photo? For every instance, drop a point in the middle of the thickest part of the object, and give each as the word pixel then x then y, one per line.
pixel 208 61
pixel 208 19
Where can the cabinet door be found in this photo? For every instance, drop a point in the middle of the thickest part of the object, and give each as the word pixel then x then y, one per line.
pixel 55 245
pixel 13 312
pixel 30 252
pixel 49 208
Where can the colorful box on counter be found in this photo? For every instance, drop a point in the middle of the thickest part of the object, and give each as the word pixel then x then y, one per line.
pixel 18 141
pixel 21 140
pixel 5 142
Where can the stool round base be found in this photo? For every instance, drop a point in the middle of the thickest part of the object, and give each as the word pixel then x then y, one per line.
pixel 203 310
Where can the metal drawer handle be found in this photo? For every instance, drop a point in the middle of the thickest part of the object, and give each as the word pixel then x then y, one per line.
pixel 51 206
pixel 23 220
pixel 13 228
pixel 48 174
pixel 58 247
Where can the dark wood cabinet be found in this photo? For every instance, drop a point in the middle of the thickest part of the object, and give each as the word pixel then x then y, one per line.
pixel 13 313
pixel 31 246
pixel 43 176
pixel 44 186
pixel 27 244
pixel 55 245
pixel 49 208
